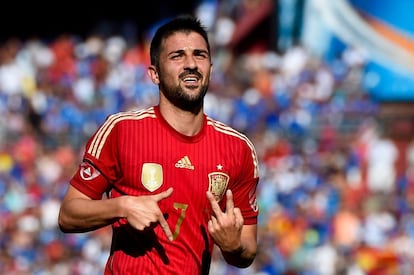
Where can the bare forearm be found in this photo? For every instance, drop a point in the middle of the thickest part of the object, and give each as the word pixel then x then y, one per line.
pixel 241 257
pixel 82 215
pixel 244 253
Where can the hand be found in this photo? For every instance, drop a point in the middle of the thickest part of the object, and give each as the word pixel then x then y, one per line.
pixel 225 227
pixel 143 212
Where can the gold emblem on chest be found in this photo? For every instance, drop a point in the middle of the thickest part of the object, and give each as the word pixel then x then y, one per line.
pixel 151 176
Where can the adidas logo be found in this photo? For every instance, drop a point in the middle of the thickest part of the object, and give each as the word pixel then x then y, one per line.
pixel 184 163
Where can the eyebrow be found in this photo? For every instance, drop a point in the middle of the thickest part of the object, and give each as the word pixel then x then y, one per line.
pixel 196 51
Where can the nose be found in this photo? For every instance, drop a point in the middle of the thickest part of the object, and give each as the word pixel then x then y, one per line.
pixel 190 62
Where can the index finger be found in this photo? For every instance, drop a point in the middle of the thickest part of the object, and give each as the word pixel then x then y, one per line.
pixel 214 204
pixel 164 225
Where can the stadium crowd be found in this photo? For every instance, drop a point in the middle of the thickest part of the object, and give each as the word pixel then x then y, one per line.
pixel 331 200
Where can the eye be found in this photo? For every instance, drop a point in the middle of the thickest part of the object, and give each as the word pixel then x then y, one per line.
pixel 176 56
pixel 201 54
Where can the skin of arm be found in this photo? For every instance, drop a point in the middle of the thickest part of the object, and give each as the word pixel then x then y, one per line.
pixel 79 213
pixel 237 242
pixel 244 255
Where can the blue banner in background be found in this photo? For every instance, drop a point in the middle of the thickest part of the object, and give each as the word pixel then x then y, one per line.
pixel 398 14
pixel 384 82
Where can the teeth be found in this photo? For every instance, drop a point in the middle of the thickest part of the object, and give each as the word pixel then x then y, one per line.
pixel 190 79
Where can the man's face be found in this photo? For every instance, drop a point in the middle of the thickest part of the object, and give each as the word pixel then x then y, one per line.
pixel 184 70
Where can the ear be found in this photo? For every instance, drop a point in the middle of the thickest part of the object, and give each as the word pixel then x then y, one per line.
pixel 153 74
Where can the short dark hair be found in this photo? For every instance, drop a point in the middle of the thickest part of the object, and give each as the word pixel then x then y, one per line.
pixel 184 23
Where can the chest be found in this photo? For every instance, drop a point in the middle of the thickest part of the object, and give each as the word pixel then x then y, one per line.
pixel 191 168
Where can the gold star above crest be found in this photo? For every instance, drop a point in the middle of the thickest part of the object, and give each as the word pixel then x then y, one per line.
pixel 220 167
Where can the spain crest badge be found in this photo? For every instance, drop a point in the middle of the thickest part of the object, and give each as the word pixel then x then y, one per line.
pixel 217 184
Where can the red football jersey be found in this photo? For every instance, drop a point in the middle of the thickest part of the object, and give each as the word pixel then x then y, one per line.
pixel 139 153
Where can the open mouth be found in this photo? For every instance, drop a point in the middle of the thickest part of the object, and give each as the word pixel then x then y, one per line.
pixel 190 79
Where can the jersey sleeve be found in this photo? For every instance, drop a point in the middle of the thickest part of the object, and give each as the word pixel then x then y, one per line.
pixel 244 190
pixel 89 181
pixel 99 168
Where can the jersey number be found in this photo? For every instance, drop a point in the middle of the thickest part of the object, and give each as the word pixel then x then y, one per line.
pixel 183 208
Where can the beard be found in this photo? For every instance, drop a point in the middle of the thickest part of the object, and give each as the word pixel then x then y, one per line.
pixel 178 97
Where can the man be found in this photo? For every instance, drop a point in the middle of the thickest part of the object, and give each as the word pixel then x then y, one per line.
pixel 177 181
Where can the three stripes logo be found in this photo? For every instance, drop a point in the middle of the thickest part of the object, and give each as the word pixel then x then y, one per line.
pixel 184 163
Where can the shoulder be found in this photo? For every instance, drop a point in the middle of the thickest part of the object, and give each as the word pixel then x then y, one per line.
pixel 229 131
pixel 234 136
pixel 117 123
pixel 131 115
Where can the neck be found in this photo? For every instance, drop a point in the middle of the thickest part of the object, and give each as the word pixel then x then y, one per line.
pixel 184 122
